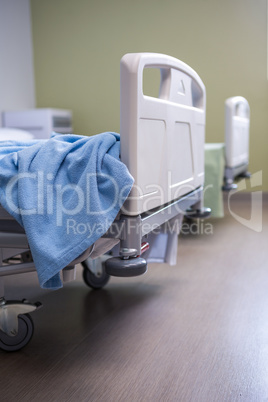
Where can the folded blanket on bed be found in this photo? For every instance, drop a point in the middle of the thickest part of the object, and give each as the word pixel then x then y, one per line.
pixel 65 192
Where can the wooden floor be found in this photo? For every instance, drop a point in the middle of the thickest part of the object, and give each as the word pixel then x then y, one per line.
pixel 194 332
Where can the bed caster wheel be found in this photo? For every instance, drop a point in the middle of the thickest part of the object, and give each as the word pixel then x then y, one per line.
pixel 22 338
pixel 94 273
pixel 198 213
pixel 229 187
pixel 128 267
pixel 244 175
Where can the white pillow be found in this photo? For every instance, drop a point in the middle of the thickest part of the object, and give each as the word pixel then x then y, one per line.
pixel 14 134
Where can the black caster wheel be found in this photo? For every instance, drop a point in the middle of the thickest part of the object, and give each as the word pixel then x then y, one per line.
pixel 94 273
pixel 198 213
pixel 23 337
pixel 244 175
pixel 229 186
pixel 117 266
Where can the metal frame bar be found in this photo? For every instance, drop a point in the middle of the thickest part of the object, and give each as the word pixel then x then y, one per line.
pixel 20 268
pixel 131 229
pixel 14 240
pixel 232 173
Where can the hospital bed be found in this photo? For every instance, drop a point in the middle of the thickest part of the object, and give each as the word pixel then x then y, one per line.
pixel 228 161
pixel 237 119
pixel 162 145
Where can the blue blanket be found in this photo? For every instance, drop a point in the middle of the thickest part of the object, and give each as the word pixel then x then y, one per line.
pixel 65 192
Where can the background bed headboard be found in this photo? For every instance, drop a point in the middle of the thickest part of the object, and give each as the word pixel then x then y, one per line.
pixel 162 139
pixel 237 117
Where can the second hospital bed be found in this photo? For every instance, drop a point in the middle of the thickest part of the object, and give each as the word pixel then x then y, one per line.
pixel 237 120
pixel 228 161
pixel 162 145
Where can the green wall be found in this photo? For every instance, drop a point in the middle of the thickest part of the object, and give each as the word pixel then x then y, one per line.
pixel 78 45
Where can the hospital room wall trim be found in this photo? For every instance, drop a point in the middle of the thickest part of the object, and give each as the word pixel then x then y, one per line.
pixel 78 45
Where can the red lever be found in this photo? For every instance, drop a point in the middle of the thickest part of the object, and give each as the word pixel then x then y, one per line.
pixel 144 246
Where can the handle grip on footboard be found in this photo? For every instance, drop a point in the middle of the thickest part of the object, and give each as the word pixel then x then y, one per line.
pixel 237 106
pixel 179 82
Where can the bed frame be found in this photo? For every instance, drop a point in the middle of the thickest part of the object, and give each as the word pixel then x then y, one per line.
pixel 162 144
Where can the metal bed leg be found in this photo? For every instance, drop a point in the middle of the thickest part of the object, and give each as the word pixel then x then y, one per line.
pixel 230 174
pixel 229 185
pixel 129 263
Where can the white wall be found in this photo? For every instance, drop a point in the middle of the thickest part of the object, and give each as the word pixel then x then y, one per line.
pixel 16 56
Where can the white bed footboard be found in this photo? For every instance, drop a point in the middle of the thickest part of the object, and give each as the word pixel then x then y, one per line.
pixel 162 139
pixel 236 131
